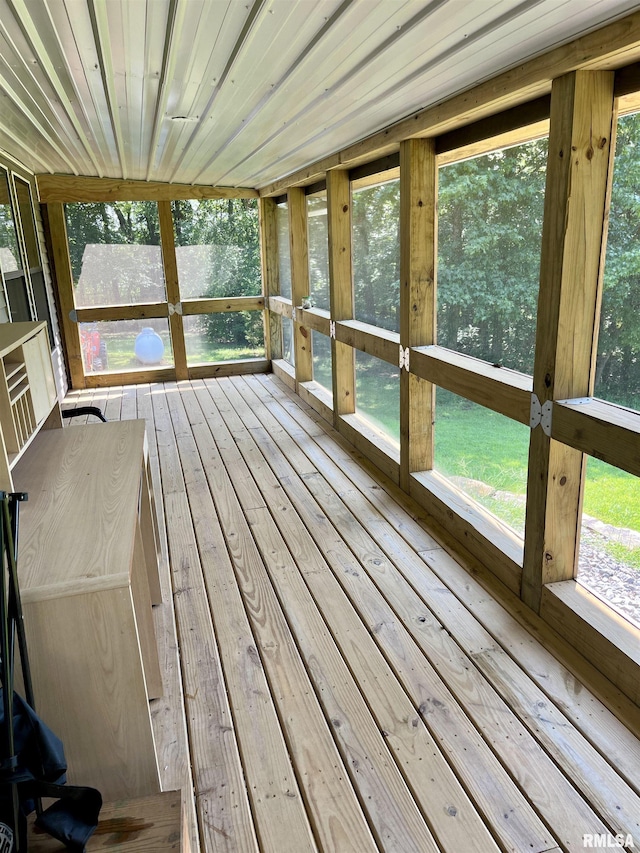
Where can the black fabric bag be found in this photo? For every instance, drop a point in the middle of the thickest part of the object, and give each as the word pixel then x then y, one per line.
pixel 41 772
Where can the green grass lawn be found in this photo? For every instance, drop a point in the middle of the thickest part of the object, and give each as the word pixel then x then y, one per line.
pixel 120 351
pixel 480 445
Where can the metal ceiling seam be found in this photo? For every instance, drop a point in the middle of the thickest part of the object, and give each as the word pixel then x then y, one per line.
pixel 16 52
pixel 100 26
pixel 202 50
pixel 404 128
pixel 80 29
pixel 24 20
pixel 302 56
pixel 463 44
pixel 250 22
pixel 20 143
pixel 372 56
pixel 30 116
pixel 175 23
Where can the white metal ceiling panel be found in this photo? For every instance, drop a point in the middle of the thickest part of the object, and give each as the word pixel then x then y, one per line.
pixel 243 92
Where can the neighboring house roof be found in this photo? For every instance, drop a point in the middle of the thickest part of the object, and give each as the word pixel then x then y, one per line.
pixel 128 274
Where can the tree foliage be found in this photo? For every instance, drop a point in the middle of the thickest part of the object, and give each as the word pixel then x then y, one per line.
pixel 217 250
pixel 489 234
pixel 376 254
pixel 617 369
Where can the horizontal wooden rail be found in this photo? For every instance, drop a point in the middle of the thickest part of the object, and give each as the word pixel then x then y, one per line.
pixel 222 305
pixel 482 533
pixel 108 313
pixel 105 313
pixel 369 339
pixel 372 443
pixel 280 305
pixel 499 388
pixel 604 430
pixel 318 397
pixel 236 367
pixel 610 642
pixel 314 318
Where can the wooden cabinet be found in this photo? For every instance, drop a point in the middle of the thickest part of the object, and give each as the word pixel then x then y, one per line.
pixel 88 571
pixel 88 575
pixel 28 397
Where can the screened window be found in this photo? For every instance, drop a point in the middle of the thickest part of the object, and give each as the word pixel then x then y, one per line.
pixel 321 349
pixel 217 248
pixel 38 286
pixel 284 249
pixel 489 238
pixel 11 265
pixel 223 336
pixel 318 243
pixel 484 454
pixel 9 253
pixel 115 252
pixel 378 393
pixel 609 561
pixel 376 254
pixel 288 352
pixel 123 345
pixel 618 362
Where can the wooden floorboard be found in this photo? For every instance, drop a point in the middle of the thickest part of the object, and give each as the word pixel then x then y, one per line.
pixel 334 680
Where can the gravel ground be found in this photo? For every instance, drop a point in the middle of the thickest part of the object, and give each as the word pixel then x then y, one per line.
pixel 611 580
pixel 608 578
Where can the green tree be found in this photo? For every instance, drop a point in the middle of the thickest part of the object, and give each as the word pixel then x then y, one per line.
pixel 617 373
pixel 376 254
pixel 489 236
pixel 224 260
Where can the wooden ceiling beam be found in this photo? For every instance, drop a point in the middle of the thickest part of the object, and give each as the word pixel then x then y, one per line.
pixel 68 188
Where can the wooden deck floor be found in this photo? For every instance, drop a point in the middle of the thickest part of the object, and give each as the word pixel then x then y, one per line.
pixel 342 683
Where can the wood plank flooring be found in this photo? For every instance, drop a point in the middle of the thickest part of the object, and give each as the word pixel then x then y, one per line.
pixel 333 679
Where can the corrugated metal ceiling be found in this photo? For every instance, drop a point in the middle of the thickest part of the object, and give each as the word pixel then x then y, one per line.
pixel 243 92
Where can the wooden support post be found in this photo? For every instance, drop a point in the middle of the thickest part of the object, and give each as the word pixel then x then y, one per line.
pixel 270 275
pixel 176 326
pixel 63 275
pixel 418 254
pixel 581 132
pixel 297 204
pixel 341 291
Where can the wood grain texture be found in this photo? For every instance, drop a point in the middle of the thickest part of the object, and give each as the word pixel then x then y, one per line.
pixel 394 820
pixel 67 188
pixel 172 284
pixel 270 274
pixel 168 712
pixel 341 291
pixel 134 825
pixel 437 790
pixel 418 261
pixel 84 587
pixel 63 278
pixel 507 392
pixel 276 802
pixel 286 538
pixel 219 791
pixel 612 641
pixel 574 227
pixel 370 339
pixel 604 430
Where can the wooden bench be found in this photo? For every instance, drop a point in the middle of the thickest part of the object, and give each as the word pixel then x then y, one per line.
pixel 142 825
